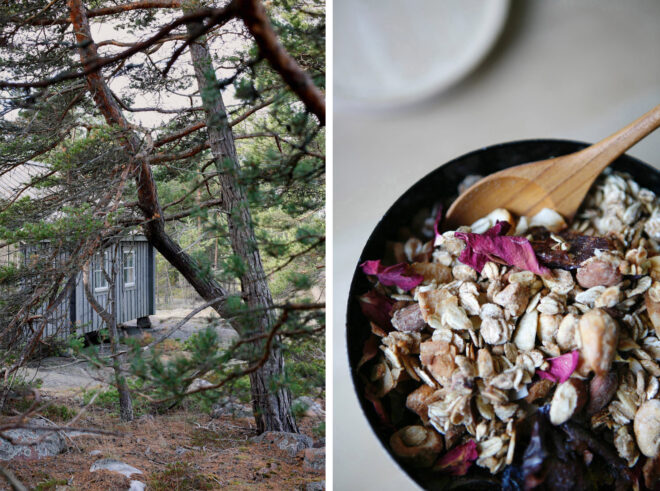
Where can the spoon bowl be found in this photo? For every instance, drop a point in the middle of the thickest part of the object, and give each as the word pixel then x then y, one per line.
pixel 560 183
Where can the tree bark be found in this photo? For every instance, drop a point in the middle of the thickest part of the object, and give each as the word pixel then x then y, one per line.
pixel 272 407
pixel 109 317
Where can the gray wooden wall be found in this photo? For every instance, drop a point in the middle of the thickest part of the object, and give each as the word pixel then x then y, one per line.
pixel 139 300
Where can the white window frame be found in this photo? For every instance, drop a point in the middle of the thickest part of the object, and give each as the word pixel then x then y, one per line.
pixel 125 268
pixel 98 264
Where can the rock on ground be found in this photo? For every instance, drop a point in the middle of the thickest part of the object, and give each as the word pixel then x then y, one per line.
pixel 315 486
pixel 137 486
pixel 50 442
pixel 314 459
pixel 310 407
pixel 231 408
pixel 291 443
pixel 114 466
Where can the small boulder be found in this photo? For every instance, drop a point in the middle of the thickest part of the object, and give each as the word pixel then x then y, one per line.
pixel 315 486
pixel 137 486
pixel 314 459
pixel 309 407
pixel 114 466
pixel 291 443
pixel 52 444
pixel 231 408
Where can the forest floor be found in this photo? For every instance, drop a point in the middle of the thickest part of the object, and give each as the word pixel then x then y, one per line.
pixel 182 450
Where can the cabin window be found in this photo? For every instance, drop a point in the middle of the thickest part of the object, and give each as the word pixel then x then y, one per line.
pixel 98 278
pixel 129 268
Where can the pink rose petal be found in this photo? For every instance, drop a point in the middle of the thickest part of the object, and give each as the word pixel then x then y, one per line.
pixel 376 308
pixel 397 275
pixel 458 460
pixel 494 245
pixel 561 367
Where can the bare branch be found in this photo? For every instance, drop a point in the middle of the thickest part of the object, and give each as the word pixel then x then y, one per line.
pixel 254 16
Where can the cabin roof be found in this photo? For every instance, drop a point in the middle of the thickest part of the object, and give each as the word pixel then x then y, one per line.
pixel 15 179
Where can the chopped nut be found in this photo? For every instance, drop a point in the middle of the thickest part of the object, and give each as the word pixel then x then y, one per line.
pixel 549 219
pixel 495 331
pixel 525 335
pixel 468 293
pixel 601 391
pixel 647 428
pixel 588 297
pixel 418 401
pixel 463 272
pixel 609 298
pixel 416 445
pixel 548 328
pixel 599 271
pixel 625 445
pixel 560 282
pixel 438 357
pixel 599 334
pixel 497 215
pixel 552 304
pixel 432 272
pixel 568 399
pixel 408 319
pixel 568 335
pixel 513 298
pixel 485 363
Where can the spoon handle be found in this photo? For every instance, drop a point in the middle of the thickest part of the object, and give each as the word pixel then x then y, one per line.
pixel 603 153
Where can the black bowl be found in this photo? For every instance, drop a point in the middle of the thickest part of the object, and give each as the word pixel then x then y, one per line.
pixel 440 186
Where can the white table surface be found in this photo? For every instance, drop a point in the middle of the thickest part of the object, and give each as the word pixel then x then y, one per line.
pixel 574 69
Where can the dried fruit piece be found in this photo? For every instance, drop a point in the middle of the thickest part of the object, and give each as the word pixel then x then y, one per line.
pixel 598 271
pixel 568 399
pixel 538 390
pixel 408 319
pixel 416 445
pixel 397 275
pixel 579 248
pixel 601 391
pixel 600 335
pixel 647 428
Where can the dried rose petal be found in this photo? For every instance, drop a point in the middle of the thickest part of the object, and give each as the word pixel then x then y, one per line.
pixel 561 367
pixel 370 350
pixel 397 275
pixel 494 245
pixel 378 405
pixel 458 460
pixel 376 308
pixel 436 223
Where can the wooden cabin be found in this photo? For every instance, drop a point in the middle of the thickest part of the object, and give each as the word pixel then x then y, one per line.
pixel 134 281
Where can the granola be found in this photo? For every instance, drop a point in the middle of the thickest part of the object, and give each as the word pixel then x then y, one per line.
pixel 478 336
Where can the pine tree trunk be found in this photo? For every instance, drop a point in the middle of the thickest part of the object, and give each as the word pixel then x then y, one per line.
pixel 272 408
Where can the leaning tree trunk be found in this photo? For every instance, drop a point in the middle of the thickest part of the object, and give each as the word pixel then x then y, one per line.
pixel 272 407
pixel 272 410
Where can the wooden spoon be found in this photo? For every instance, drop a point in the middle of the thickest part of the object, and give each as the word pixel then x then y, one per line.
pixel 560 183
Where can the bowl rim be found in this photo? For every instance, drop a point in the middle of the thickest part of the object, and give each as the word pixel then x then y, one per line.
pixel 624 159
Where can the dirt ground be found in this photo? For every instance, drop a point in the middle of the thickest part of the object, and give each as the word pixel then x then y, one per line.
pixel 178 451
